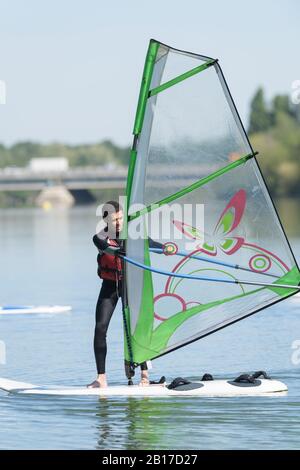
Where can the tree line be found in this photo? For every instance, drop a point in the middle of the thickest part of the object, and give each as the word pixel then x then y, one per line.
pixel 274 130
pixel 96 154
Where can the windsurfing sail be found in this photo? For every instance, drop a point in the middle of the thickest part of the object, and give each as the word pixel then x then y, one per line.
pixel 190 148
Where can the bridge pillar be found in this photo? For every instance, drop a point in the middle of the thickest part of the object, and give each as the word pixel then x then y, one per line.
pixel 55 197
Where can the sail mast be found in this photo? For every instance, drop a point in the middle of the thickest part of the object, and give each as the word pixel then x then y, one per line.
pixel 139 118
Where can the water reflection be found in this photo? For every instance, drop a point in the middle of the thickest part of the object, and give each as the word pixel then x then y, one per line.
pixel 141 423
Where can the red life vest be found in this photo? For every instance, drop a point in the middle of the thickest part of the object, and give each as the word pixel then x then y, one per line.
pixel 109 266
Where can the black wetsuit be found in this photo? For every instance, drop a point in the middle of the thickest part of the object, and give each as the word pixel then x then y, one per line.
pixel 108 298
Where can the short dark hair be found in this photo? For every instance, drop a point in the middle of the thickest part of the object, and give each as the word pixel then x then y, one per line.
pixel 110 205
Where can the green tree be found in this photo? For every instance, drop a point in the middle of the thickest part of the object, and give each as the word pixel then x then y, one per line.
pixel 260 117
pixel 281 104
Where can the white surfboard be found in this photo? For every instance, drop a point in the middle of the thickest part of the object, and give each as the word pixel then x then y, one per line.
pixel 214 388
pixel 25 309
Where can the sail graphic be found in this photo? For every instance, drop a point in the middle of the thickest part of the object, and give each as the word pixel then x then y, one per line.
pixel 190 148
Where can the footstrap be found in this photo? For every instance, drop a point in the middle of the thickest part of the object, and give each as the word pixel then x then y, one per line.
pixel 247 378
pixel 158 382
pixel 207 377
pixel 261 373
pixel 178 381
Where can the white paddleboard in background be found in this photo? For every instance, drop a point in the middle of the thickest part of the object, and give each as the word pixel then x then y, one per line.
pixel 24 309
pixel 213 388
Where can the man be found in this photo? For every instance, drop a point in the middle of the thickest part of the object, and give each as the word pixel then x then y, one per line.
pixel 110 271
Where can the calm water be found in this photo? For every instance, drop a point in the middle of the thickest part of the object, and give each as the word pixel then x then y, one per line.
pixel 48 258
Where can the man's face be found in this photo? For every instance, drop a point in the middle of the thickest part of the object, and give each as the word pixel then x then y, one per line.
pixel 115 222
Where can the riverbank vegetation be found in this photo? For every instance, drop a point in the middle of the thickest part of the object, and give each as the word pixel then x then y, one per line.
pixel 102 153
pixel 274 131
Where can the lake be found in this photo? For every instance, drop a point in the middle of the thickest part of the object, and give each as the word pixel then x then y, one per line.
pixel 49 258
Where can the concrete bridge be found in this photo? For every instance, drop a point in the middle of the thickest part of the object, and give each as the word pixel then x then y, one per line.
pixel 74 184
pixel 101 177
pixel 23 179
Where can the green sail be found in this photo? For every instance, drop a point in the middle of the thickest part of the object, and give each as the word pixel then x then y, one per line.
pixel 191 148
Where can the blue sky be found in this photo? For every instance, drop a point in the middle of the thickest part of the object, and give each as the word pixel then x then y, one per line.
pixel 73 68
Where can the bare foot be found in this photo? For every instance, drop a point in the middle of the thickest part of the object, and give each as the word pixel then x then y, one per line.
pixel 144 379
pixel 100 382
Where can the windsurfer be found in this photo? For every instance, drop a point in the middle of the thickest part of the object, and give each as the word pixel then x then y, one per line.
pixel 110 271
